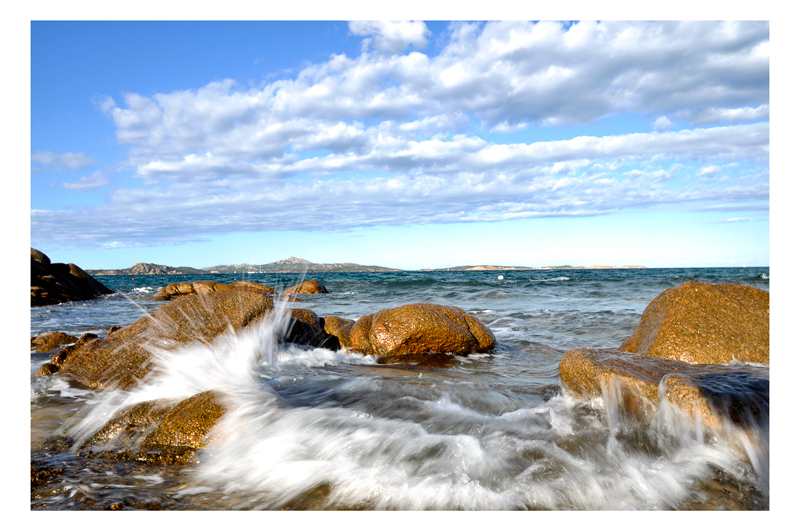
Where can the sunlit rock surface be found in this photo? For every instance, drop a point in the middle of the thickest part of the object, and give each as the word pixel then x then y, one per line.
pixel 177 289
pixel 717 393
pixel 121 359
pixel 698 322
pixel 411 332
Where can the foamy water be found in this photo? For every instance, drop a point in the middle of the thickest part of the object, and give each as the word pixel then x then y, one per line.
pixel 314 428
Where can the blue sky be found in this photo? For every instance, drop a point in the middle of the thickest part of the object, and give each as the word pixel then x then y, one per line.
pixel 402 144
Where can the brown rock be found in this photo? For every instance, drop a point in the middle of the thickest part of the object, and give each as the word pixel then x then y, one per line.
pixel 416 329
pixel 170 291
pixel 739 393
pixel 57 283
pixel 156 425
pixel 336 326
pixel 308 287
pixel 51 340
pixel 705 323
pixel 120 359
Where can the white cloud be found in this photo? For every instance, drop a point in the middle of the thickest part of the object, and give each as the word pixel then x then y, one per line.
pixel 719 115
pixel 385 138
pixel 92 182
pixel 391 36
pixel 58 161
pixel 662 124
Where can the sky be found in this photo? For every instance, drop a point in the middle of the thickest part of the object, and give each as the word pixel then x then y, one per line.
pixel 407 144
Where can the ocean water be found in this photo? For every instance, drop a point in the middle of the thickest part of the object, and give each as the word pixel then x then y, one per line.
pixel 318 429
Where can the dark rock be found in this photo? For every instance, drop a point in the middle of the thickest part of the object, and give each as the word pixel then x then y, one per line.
pixel 57 283
pixel 705 323
pixel 739 392
pixel 416 329
pixel 305 328
pixel 121 358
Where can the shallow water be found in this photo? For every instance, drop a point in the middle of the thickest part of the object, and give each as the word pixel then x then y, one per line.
pixel 312 428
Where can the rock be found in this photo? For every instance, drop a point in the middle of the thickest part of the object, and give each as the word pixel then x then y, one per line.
pixel 162 427
pixel 308 287
pixel 338 327
pixel 305 328
pixel 57 283
pixel 739 392
pixel 409 333
pixel 121 359
pixel 170 291
pixel 51 340
pixel 705 323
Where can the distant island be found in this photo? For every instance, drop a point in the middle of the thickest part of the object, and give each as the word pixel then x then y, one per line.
pixel 524 268
pixel 289 265
pixel 148 269
pixel 298 265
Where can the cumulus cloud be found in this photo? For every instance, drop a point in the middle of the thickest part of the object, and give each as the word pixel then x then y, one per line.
pixel 92 182
pixel 397 138
pixel 717 115
pixel 391 36
pixel 662 124
pixel 58 161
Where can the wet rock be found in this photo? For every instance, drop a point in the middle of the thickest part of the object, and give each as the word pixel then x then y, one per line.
pixel 121 359
pixel 705 323
pixel 51 340
pixel 338 327
pixel 57 283
pixel 170 291
pixel 307 287
pixel 409 332
pixel 156 426
pixel 737 392
pixel 306 328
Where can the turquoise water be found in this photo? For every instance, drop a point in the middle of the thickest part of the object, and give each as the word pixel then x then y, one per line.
pixel 311 428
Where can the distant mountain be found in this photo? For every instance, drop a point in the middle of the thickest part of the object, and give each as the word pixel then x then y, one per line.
pixel 148 269
pixel 296 265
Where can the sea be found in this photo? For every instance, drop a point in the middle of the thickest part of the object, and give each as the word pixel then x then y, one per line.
pixel 310 428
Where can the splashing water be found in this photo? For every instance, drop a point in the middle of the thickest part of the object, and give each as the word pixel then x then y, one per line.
pixel 313 428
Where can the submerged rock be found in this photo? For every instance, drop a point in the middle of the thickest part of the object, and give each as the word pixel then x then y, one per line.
pixel 413 332
pixel 177 289
pixel 159 426
pixel 51 340
pixel 739 392
pixel 57 283
pixel 698 322
pixel 121 358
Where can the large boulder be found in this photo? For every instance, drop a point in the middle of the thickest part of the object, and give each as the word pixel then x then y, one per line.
pixel 698 322
pixel 738 393
pixel 121 358
pixel 170 291
pixel 57 283
pixel 412 332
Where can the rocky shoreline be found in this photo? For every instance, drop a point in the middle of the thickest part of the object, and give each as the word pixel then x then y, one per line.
pixel 700 350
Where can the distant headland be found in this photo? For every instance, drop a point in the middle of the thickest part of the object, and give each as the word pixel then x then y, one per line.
pixel 298 265
pixel 288 265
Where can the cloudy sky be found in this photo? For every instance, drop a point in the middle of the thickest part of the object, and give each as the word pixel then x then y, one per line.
pixel 404 144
